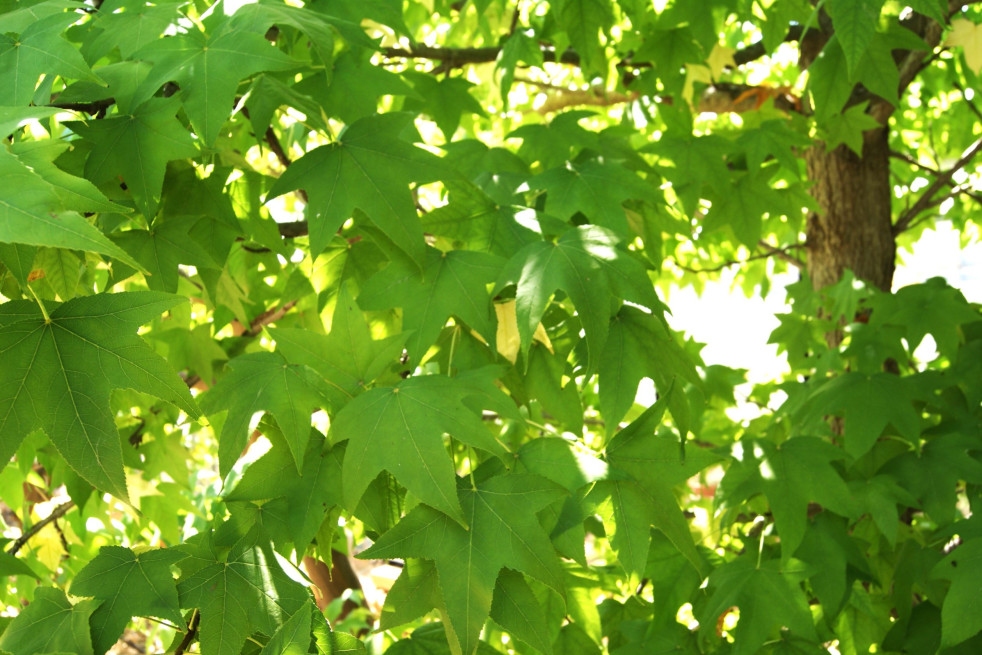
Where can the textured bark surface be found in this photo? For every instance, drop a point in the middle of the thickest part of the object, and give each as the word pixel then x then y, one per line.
pixel 853 230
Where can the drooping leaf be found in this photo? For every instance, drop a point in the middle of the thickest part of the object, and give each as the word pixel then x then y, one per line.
pixel 515 608
pixel 33 210
pixel 963 566
pixel 128 584
pixel 265 381
pixel 293 637
pixel 400 430
pixel 162 248
pixel 503 532
pixel 855 24
pixel 60 373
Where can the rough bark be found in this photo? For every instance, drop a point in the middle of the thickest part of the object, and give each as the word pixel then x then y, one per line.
pixel 853 229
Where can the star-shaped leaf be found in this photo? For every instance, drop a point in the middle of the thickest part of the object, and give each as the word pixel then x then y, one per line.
pixel 137 147
pixel 209 69
pixel 769 597
pixel 444 99
pixel 58 375
pixel 347 357
pixel 36 197
pixel 307 498
pixel 868 403
pixel 128 584
pixel 50 624
pixel 163 247
pixel 855 25
pixel 453 283
pixel 264 381
pixel 400 429
pixel 40 49
pixel 639 346
pixel 138 24
pixel 240 594
pixel 586 265
pixel 630 507
pixel 503 532
pixel 473 220
pixel 596 188
pixel 801 472
pixel 369 168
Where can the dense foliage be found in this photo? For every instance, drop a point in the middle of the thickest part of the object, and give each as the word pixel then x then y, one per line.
pixel 286 283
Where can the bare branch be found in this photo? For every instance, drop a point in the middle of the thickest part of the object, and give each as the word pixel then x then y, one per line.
pixel 55 514
pixel 927 200
pixel 769 251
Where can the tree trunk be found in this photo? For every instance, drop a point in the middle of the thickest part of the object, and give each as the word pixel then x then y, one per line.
pixel 853 230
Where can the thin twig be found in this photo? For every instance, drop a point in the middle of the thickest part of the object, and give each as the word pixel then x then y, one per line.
pixel 55 514
pixel 926 201
pixel 971 105
pixel 770 251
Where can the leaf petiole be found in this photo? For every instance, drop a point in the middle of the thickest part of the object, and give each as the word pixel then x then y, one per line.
pixel 44 312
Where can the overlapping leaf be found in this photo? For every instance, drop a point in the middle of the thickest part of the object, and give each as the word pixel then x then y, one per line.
pixel 586 265
pixel 369 168
pixel 453 283
pixel 137 147
pixel 400 429
pixel 128 584
pixel 59 373
pixel 50 624
pixel 503 532
pixel 239 594
pixel 223 59
pixel 265 381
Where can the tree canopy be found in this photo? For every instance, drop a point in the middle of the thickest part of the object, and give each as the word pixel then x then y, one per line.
pixel 288 285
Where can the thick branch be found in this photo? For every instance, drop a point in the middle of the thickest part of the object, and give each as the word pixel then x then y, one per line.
pixel 927 200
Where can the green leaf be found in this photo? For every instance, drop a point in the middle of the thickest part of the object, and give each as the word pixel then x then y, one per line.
pixel 868 403
pixel 963 566
pixel 306 498
pixel 50 624
pixel 60 373
pixel 347 357
pixel 400 430
pixel 264 381
pixel 163 247
pixel 444 99
pixel 800 472
pixel 129 25
pixel 453 283
pixel 583 21
pixel 32 210
pixel 293 637
pixel 743 206
pixel 586 265
pixel 128 584
pixel 848 128
pixel 39 49
pixel 503 532
pixel 137 147
pixel 855 24
pixel 224 59
pixel 414 593
pixel 369 168
pixel 237 595
pixel 768 595
pixel 639 346
pixel 473 220
pixel 13 118
pixel 515 608
pixel 595 188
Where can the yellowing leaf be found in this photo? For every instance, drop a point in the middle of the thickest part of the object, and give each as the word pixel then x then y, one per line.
pixel 719 59
pixel 508 339
pixel 968 35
